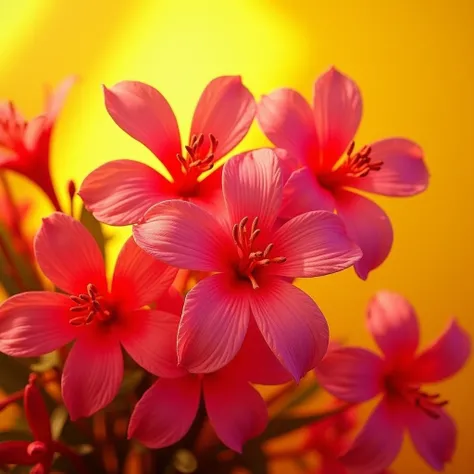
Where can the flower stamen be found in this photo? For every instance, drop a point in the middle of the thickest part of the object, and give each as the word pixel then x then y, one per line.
pixel 428 403
pixel 199 158
pixel 359 165
pixel 91 304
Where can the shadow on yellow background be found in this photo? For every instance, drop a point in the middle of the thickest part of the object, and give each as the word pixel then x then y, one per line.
pixel 412 59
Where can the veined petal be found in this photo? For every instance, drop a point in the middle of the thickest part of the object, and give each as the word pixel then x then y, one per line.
pixel 369 226
pixel 314 244
pixel 35 323
pixel 171 302
pixel 121 191
pixel 16 452
pixel 209 194
pixel 165 412
pixel 235 409
pixel 36 412
pixel 144 114
pixel 68 254
pixel 213 325
pixel 226 109
pixel 184 236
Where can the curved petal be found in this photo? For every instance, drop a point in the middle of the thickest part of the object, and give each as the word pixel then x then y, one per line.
pixel 36 412
pixel 252 186
pixel 139 279
pixel 214 323
pixel 403 172
pixel 369 226
pixel 144 114
pixel 68 254
pixel 351 374
pixel 171 302
pixel 226 109
pixel 165 412
pixel 16 452
pixel 287 120
pixel 446 356
pixel 184 236
pixel 314 244
pixel 121 191
pixel 55 99
pixel 35 323
pixel 391 319
pixel 235 409
pixel 378 444
pixel 209 193
pixel 292 325
pixel 92 375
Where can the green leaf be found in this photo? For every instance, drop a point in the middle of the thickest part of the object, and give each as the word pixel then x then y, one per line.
pixel 46 362
pixel 59 418
pixel 94 227
pixel 14 375
pixel 130 381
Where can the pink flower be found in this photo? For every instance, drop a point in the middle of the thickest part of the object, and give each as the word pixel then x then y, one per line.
pixel 252 257
pixel 356 375
pixel 25 146
pixel 100 321
pixel 332 171
pixel 120 192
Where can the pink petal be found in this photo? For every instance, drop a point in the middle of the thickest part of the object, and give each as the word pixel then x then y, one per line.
pixel 165 412
pixel 403 172
pixel 121 191
pixel 171 302
pixel 226 109
pixel 378 444
pixel 291 324
pixel 287 120
pixel 392 321
pixel 314 244
pixel 16 452
pixel 444 357
pixel 235 409
pixel 351 374
pixel 337 107
pixel 434 439
pixel 36 412
pixel 252 187
pixel 55 100
pixel 184 236
pixel 68 254
pixel 144 114
pixel 149 336
pixel 92 375
pixel 209 193
pixel 369 226
pixel 214 323
pixel 139 279
pixel 35 323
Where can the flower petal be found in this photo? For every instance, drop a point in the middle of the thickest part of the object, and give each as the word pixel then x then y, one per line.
pixel 171 302
pixel 214 323
pixel 92 375
pixel 337 107
pixel 391 319
pixel 16 452
pixel 378 444
pixel 184 236
pixel 35 323
pixel 209 193
pixel 226 109
pixel 351 374
pixel 369 226
pixel 68 254
pixel 121 191
pixel 446 356
pixel 144 114
pixel 252 186
pixel 139 279
pixel 287 120
pixel 55 100
pixel 403 172
pixel 235 409
pixel 292 325
pixel 36 412
pixel 165 412
pixel 314 244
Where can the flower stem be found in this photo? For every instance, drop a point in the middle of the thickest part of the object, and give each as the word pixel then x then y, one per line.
pixel 75 459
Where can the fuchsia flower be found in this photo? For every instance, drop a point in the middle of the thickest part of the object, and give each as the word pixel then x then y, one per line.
pixel 100 320
pixel 356 375
pixel 252 256
pixel 331 170
pixel 25 146
pixel 120 192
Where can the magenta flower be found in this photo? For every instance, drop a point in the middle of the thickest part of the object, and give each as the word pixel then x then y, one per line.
pixel 252 257
pixel 100 321
pixel 356 375
pixel 332 171
pixel 120 192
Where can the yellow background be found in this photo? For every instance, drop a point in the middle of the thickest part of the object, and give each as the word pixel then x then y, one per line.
pixel 413 60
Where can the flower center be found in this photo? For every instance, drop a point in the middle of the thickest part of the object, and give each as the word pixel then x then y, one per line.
pixel 250 259
pixel 89 307
pixel 200 157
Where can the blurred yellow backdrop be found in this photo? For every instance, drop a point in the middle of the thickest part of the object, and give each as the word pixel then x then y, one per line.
pixel 412 59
